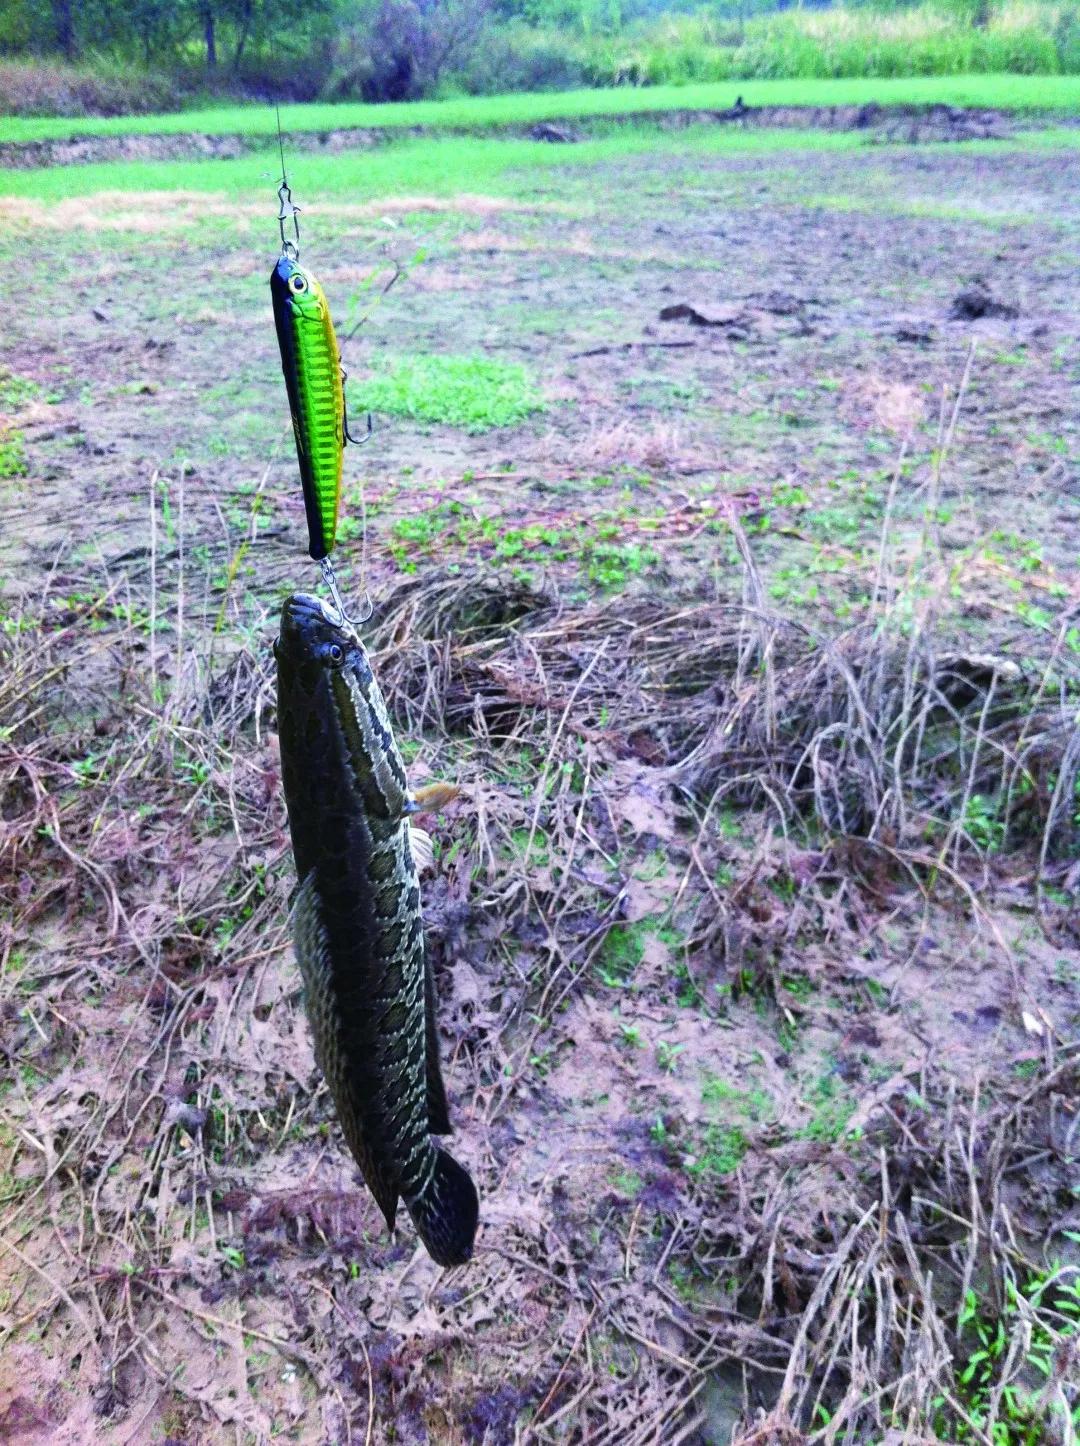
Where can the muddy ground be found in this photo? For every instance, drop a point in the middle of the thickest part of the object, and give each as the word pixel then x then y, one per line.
pixel 756 656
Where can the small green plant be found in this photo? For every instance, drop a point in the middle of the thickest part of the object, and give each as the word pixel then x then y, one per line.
pixel 627 1181
pixel 12 453
pixel 15 391
pixel 624 948
pixel 611 564
pixel 1035 616
pixel 667 1055
pixel 521 541
pixel 620 954
pixel 719 1147
pixel 832 1109
pixel 992 1378
pixel 720 1150
pixel 542 1061
pixel 982 823
pixel 475 393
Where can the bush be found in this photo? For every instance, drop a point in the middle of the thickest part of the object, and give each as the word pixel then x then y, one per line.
pixel 46 87
pixel 1067 41
pixel 1025 38
pixel 518 58
pixel 401 49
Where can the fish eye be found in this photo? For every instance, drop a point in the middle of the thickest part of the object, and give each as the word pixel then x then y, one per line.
pixel 336 653
pixel 297 283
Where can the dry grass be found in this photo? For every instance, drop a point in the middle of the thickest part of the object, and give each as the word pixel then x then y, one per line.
pixel 153 212
pixel 882 734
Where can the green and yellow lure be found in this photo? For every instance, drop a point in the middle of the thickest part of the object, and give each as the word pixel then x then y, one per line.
pixel 311 362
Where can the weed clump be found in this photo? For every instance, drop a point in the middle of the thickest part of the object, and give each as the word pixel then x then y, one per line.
pixel 474 393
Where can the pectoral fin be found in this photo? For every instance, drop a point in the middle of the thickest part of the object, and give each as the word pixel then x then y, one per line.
pixel 432 796
pixel 423 850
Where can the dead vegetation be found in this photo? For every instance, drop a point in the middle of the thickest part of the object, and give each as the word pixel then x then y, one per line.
pixel 178 1221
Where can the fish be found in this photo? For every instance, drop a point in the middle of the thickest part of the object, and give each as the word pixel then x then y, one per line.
pixel 311 362
pixel 357 926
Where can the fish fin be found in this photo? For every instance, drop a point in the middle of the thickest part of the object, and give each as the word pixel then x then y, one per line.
pixel 423 850
pixel 432 796
pixel 446 1212
pixel 312 945
pixel 437 1107
pixel 385 1199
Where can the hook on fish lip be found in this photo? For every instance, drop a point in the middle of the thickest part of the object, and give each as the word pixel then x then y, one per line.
pixel 305 617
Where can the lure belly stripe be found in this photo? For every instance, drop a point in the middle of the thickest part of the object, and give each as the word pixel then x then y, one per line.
pixel 312 365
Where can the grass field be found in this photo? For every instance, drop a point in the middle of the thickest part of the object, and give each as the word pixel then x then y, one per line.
pixel 498 167
pixel 720 520
pixel 1024 93
pixel 507 168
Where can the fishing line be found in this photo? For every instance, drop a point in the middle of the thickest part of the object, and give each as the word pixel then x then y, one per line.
pixel 287 207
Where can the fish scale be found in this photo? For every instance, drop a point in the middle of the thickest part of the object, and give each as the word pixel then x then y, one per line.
pixel 358 927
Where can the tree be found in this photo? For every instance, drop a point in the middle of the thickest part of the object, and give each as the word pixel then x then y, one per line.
pixel 64 25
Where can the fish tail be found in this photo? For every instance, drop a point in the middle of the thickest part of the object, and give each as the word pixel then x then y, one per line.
pixel 446 1211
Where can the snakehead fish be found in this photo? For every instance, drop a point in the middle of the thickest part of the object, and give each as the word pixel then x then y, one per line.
pixel 357 924
pixel 313 379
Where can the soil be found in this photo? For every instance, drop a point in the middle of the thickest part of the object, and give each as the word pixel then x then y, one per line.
pixel 693 1022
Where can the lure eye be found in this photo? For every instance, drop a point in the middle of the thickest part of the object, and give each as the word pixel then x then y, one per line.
pixel 297 283
pixel 336 654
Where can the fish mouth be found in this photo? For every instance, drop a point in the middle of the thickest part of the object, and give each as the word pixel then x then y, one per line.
pixel 303 608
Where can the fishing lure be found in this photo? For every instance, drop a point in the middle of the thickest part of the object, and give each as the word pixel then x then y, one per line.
pixel 314 380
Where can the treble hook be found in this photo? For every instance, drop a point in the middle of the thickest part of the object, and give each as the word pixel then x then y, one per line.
pixel 329 577
pixel 356 441
pixel 288 209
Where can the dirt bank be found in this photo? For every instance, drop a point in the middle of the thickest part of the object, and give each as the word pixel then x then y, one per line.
pixel 907 123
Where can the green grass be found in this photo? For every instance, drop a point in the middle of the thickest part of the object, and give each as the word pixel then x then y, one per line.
pixel 446 166
pixel 474 393
pixel 1030 93
pixel 424 166
pixel 718 1146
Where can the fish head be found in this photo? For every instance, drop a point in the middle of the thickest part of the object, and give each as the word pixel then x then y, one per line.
pixel 315 638
pixel 330 708
pixel 294 289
